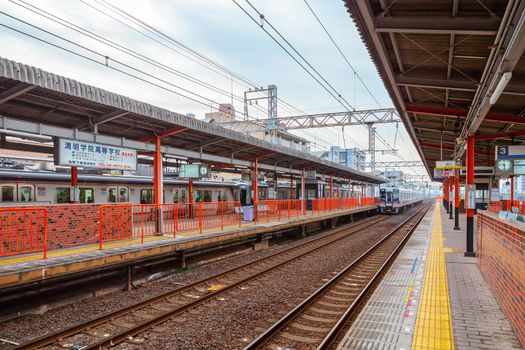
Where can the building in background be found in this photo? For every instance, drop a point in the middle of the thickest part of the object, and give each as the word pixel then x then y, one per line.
pixel 354 158
pixel 394 178
pixel 226 117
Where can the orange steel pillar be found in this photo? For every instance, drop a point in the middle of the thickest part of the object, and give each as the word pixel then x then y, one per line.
pixel 456 199
pixel 157 184
pixel 255 186
pixel 470 181
pixel 303 195
pixel 74 184
pixel 291 186
pixel 157 172
pixel 511 190
pixel 451 200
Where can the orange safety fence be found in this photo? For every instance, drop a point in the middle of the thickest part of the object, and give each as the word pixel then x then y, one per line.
pixel 138 221
pixel 494 206
pixel 333 204
pixel 126 221
pixel 23 230
pixel 276 209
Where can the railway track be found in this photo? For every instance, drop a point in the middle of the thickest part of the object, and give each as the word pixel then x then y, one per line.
pixel 137 318
pixel 318 321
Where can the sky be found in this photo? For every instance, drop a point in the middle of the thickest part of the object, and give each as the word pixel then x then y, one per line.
pixel 222 32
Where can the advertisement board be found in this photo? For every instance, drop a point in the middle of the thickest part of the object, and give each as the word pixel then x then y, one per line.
pixel 94 155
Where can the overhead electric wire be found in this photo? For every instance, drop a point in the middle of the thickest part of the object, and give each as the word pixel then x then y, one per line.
pixel 107 59
pixel 152 30
pixel 180 44
pixel 166 45
pixel 342 54
pixel 295 59
pixel 339 96
pixel 121 48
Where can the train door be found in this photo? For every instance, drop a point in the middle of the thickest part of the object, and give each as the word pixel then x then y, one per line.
pixel 244 196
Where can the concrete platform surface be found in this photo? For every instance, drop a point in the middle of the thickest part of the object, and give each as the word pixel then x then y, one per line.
pixel 432 298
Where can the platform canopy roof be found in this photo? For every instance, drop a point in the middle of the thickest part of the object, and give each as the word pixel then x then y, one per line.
pixel 33 101
pixel 441 62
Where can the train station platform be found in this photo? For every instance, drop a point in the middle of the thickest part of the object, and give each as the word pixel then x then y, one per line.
pixel 31 268
pixel 433 297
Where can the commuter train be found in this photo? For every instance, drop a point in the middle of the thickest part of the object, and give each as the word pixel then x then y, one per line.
pixel 395 200
pixel 20 187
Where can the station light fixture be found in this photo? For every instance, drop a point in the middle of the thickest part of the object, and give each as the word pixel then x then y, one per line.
pixel 505 78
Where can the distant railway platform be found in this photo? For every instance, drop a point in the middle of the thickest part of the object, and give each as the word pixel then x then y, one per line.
pixel 434 297
pixel 31 267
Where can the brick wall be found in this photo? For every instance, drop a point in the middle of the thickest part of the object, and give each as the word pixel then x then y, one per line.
pixel 72 225
pixel 501 259
pixel 68 225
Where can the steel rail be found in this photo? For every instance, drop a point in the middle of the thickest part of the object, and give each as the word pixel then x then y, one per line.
pixel 49 339
pixel 287 319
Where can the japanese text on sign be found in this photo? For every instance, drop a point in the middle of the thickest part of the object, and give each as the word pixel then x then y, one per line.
pixel 92 155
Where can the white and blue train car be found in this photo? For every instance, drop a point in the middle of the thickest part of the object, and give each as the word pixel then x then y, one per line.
pixel 395 199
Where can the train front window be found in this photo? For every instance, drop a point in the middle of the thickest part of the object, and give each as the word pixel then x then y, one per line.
pixel 86 195
pixel 396 194
pixel 26 194
pixel 8 193
pixel 382 194
pixel 62 194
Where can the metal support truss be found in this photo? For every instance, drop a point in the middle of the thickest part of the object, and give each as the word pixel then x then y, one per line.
pixel 325 120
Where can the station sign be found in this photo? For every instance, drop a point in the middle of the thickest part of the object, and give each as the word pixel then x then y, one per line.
pixel 194 171
pixel 510 152
pixel 448 164
pixel 311 175
pixel 93 155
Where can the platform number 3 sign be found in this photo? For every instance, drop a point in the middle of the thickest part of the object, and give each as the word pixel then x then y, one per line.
pixel 503 151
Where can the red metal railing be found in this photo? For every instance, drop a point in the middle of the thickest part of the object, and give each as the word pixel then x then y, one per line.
pixel 126 221
pixel 23 230
pixel 274 209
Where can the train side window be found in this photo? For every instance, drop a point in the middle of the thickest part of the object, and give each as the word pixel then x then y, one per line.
pixel 26 193
pixel 8 193
pixel 183 195
pixel 112 195
pixel 62 194
pixel 206 197
pixel 123 194
pixel 146 196
pixel 87 195
pixel 176 195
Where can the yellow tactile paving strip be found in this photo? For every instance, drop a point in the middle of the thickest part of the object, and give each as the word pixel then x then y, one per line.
pixel 433 328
